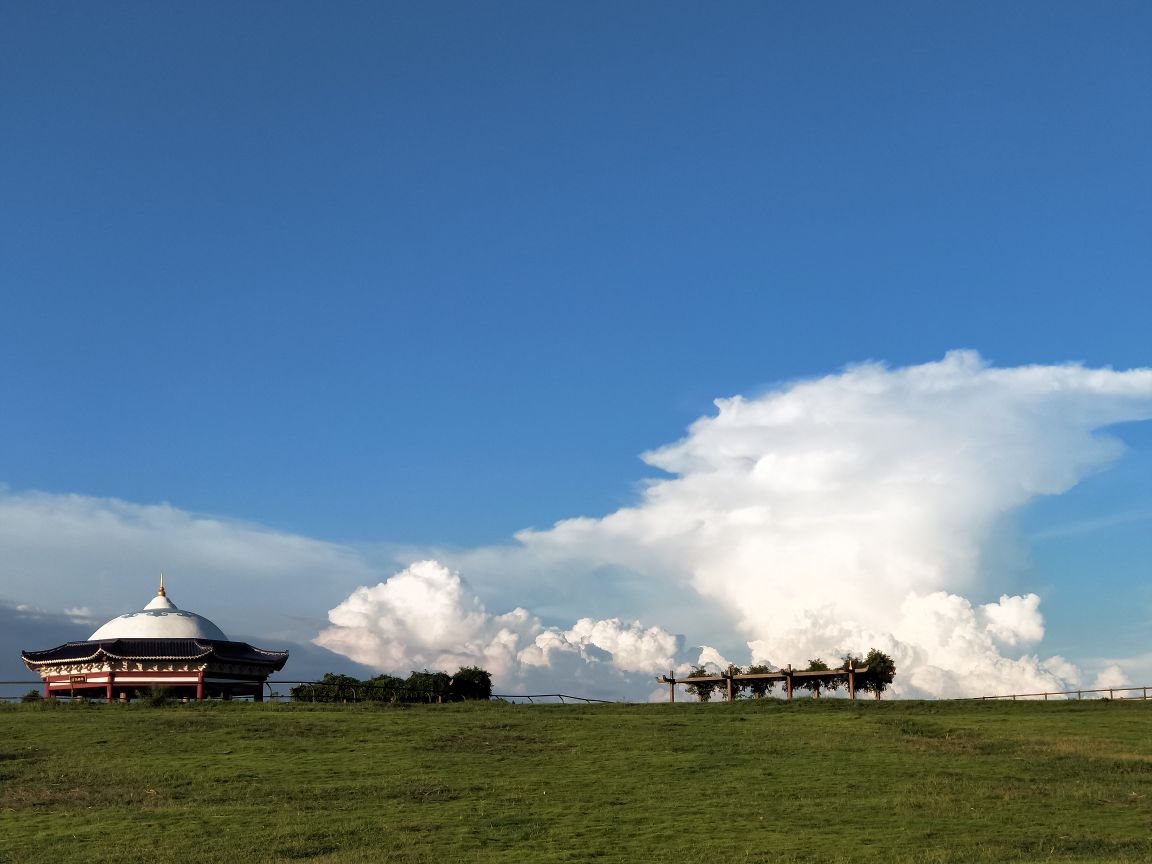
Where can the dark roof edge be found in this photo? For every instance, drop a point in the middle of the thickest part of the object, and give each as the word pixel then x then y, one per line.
pixel 156 649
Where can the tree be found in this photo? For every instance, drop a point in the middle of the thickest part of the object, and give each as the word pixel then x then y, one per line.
pixel 703 690
pixel 761 687
pixel 881 671
pixel 815 683
pixel 470 682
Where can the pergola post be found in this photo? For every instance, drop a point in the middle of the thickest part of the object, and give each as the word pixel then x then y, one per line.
pixel 851 682
pixel 671 685
pixel 788 679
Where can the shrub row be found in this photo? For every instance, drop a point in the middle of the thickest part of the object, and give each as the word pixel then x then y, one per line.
pixel 470 682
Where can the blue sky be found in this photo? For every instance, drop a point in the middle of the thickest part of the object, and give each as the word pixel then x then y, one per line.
pixel 428 274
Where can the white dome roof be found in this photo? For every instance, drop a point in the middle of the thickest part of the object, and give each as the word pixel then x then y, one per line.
pixel 160 619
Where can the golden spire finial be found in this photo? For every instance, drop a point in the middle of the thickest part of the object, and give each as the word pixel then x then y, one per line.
pixel 161 593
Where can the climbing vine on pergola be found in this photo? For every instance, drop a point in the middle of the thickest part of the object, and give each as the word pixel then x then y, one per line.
pixel 873 674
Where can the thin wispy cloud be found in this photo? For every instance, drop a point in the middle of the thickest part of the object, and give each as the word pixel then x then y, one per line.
pixel 1091 526
pixel 66 551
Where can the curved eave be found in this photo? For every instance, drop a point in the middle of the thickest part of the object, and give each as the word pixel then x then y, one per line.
pixel 153 650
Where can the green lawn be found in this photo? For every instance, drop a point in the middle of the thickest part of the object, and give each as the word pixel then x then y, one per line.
pixel 754 781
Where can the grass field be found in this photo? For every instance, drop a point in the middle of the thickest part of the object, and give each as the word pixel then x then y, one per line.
pixel 750 782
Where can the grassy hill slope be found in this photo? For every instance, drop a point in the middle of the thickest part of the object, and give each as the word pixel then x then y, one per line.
pixel 825 781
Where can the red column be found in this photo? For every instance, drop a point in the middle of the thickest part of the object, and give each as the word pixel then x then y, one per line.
pixel 199 685
pixel 108 689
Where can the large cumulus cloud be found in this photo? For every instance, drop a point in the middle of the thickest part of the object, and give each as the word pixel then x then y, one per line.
pixel 427 617
pixel 873 507
pixel 870 508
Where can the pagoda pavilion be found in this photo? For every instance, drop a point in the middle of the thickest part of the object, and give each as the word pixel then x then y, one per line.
pixel 157 646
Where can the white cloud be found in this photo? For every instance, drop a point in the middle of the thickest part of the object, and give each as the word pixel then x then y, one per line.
pixel 1111 677
pixel 80 615
pixel 856 510
pixel 427 616
pixel 713 660
pixel 1014 620
pixel 871 508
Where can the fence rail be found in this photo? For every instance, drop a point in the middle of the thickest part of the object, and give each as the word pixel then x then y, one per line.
pixel 16 697
pixel 560 696
pixel 1141 693
pixel 1068 694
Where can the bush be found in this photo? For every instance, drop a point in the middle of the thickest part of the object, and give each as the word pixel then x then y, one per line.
pixel 157 697
pixel 382 688
pixel 32 696
pixel 330 688
pixel 470 682
pixel 426 686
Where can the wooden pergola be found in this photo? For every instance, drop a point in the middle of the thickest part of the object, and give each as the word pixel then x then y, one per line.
pixel 787 675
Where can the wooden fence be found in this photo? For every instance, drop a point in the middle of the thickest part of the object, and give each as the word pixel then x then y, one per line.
pixel 786 675
pixel 1079 694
